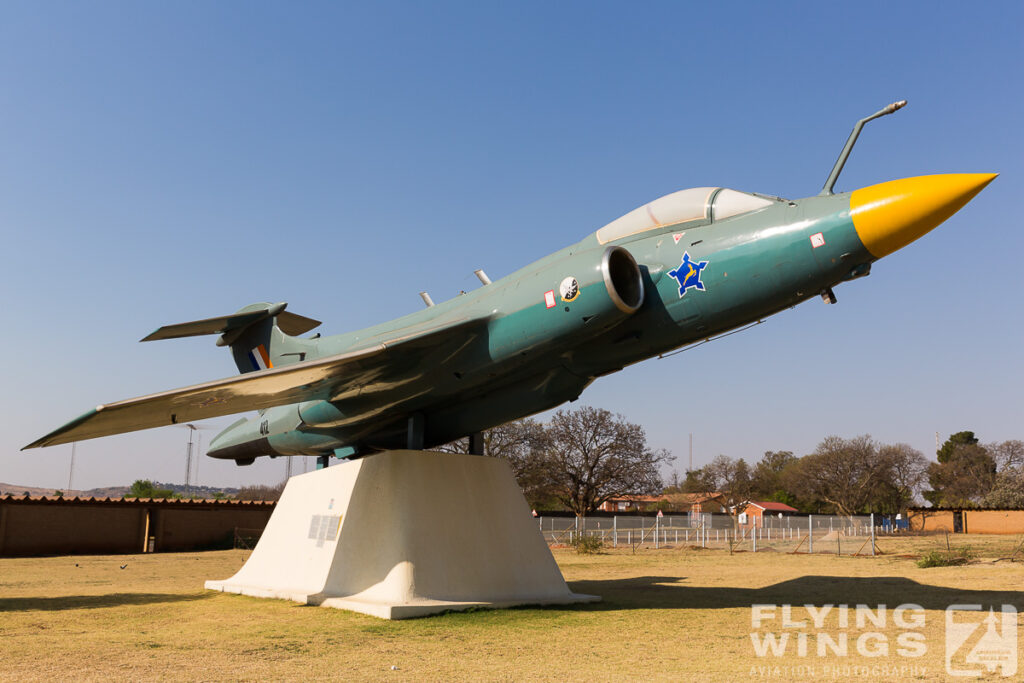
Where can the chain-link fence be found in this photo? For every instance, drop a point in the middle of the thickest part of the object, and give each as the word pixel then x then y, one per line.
pixel 246 539
pixel 804 533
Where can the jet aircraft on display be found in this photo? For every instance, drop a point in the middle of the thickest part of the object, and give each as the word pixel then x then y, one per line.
pixel 687 267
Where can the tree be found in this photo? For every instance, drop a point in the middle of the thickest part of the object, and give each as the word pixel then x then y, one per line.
pixel 521 443
pixel 260 492
pixel 964 474
pixel 592 456
pixel 844 472
pixel 698 481
pixel 952 443
pixel 964 480
pixel 907 469
pixel 1008 455
pixel 733 480
pixel 1008 489
pixel 144 488
pixel 767 481
pixel 731 477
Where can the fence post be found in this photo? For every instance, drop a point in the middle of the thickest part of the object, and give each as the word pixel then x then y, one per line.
pixel 753 540
pixel 872 534
pixel 540 521
pixel 657 527
pixel 810 534
pixel 615 531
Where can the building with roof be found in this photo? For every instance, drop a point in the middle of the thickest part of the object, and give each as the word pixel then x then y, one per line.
pixel 708 502
pixel 966 520
pixel 631 503
pixel 752 513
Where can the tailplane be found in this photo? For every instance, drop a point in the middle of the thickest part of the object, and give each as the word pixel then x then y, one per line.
pixel 260 336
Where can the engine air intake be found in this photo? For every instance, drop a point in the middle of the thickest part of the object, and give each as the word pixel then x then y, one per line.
pixel 623 279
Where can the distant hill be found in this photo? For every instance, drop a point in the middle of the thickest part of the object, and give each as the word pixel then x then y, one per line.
pixel 17 490
pixel 197 491
pixel 112 491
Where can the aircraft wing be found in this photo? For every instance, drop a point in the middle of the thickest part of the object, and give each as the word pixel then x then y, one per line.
pixel 355 372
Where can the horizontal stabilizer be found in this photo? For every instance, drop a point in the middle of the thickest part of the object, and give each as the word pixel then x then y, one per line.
pixel 289 323
pixel 294 325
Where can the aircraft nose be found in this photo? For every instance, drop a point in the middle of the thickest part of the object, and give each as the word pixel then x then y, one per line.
pixel 891 215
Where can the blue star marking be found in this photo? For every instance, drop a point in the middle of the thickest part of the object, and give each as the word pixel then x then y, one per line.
pixel 688 274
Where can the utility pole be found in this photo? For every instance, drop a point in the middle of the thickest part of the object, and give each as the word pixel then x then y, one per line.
pixel 194 446
pixel 188 461
pixel 199 456
pixel 691 453
pixel 71 469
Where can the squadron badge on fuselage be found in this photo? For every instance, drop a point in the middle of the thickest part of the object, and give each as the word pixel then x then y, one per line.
pixel 569 289
pixel 688 274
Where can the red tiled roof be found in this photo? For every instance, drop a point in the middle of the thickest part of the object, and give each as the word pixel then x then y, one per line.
pixel 636 499
pixel 693 497
pixel 772 506
pixel 195 502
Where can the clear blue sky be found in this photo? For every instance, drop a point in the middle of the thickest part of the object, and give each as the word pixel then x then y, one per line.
pixel 161 162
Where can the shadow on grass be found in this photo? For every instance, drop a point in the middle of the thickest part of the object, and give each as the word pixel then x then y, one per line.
pixel 671 592
pixel 94 601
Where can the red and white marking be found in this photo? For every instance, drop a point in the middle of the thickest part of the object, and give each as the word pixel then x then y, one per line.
pixel 817 240
pixel 678 236
pixel 549 298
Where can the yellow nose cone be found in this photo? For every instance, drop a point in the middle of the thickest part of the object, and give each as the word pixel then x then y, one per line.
pixel 891 215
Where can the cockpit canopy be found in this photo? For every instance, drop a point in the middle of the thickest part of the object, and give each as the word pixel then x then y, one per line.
pixel 704 204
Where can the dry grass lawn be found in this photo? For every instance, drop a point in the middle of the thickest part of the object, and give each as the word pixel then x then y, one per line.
pixel 669 614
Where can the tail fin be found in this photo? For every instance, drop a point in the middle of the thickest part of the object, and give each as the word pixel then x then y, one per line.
pixel 260 335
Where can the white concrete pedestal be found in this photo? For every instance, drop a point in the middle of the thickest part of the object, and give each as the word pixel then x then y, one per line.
pixel 404 534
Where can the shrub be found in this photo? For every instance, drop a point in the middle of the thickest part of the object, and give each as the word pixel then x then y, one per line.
pixel 587 545
pixel 952 558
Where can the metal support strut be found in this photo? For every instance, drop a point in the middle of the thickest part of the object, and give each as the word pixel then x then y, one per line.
pixel 415 436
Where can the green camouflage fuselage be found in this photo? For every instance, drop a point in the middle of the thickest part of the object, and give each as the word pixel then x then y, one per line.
pixel 531 355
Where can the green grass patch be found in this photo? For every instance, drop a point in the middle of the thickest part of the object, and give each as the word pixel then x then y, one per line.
pixel 666 615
